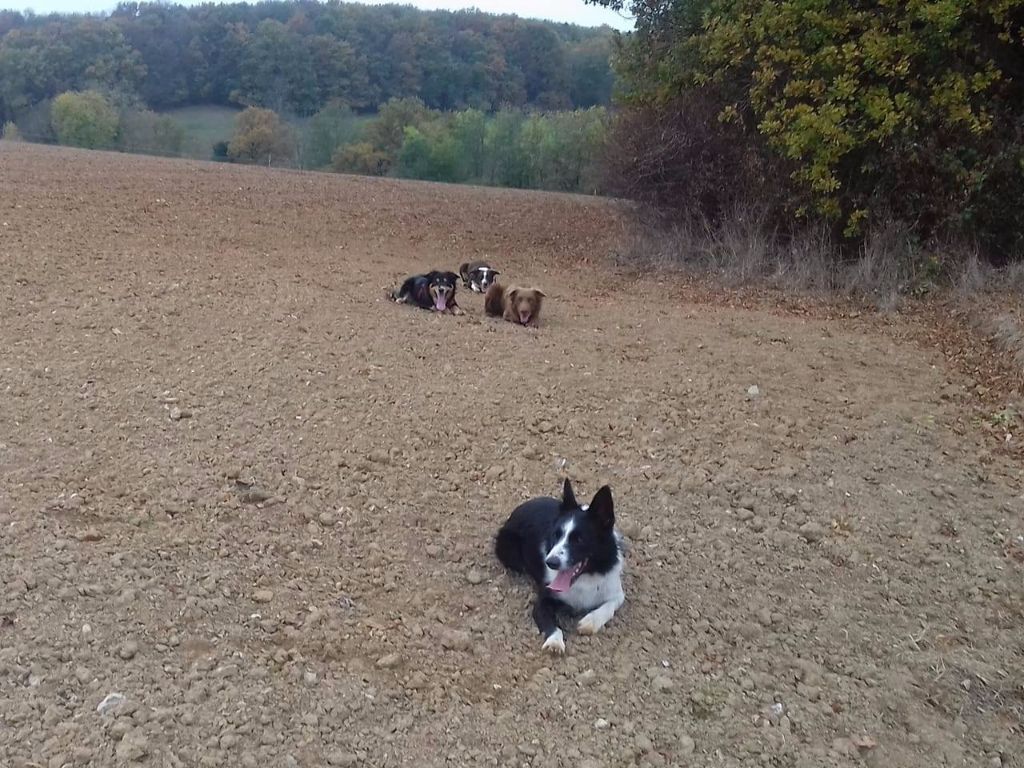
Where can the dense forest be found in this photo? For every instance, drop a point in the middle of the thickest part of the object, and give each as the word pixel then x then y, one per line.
pixel 852 116
pixel 294 57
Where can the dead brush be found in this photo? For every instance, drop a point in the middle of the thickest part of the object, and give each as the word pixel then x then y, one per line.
pixel 743 248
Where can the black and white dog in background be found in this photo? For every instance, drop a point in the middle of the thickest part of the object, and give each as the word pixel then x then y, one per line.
pixel 478 276
pixel 574 555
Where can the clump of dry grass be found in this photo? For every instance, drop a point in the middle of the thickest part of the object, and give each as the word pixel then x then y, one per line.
pixel 744 249
pixel 1005 332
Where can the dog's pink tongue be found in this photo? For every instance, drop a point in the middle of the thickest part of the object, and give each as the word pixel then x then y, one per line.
pixel 562 581
pixel 440 303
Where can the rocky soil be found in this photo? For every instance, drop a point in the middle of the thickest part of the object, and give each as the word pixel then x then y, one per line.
pixel 246 503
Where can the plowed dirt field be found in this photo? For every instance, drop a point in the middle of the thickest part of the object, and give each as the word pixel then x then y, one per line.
pixel 255 499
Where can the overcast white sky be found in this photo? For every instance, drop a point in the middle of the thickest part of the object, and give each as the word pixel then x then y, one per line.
pixel 573 11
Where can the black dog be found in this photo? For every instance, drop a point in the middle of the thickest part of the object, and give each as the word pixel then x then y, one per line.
pixel 434 290
pixel 574 556
pixel 478 276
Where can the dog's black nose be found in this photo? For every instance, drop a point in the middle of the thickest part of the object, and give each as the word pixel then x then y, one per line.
pixel 553 563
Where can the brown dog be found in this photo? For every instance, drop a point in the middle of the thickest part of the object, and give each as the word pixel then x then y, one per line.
pixel 515 304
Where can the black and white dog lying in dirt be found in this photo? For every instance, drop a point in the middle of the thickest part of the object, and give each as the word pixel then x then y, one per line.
pixel 435 290
pixel 574 555
pixel 478 276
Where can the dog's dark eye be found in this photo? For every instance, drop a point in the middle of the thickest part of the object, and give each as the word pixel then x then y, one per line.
pixel 574 537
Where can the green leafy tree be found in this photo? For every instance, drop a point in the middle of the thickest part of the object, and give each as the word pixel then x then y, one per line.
pixel 429 153
pixel 146 132
pixel 84 119
pixel 27 76
pixel 341 73
pixel 535 149
pixel 295 57
pixel 278 70
pixel 94 54
pixel 387 131
pixel 469 132
pixel 535 50
pixel 10 20
pixel 10 132
pixel 39 62
pixel 333 126
pixel 261 137
pixel 569 146
pixel 590 76
pixel 361 158
pixel 160 37
pixel 558 151
pixel 909 109
pixel 36 122
pixel 847 92
pixel 477 69
pixel 403 73
pixel 506 159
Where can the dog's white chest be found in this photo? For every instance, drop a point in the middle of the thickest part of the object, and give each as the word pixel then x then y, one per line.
pixel 591 590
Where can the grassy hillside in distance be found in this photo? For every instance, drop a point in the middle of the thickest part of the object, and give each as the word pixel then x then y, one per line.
pixel 207 124
pixel 204 126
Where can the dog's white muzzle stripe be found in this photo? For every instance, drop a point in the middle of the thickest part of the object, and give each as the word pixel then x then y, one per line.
pixel 560 552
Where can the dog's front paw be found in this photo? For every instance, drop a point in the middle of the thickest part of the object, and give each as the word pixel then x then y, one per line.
pixel 554 643
pixel 457 311
pixel 591 623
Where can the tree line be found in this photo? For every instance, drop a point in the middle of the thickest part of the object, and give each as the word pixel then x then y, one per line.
pixel 849 115
pixel 296 56
pixel 559 151
pixel 91 120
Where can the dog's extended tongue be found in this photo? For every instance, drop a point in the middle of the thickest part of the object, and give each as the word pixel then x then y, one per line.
pixel 562 581
pixel 440 303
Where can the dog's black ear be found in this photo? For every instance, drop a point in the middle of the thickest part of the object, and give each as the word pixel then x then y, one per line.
pixel 602 508
pixel 568 497
pixel 463 268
